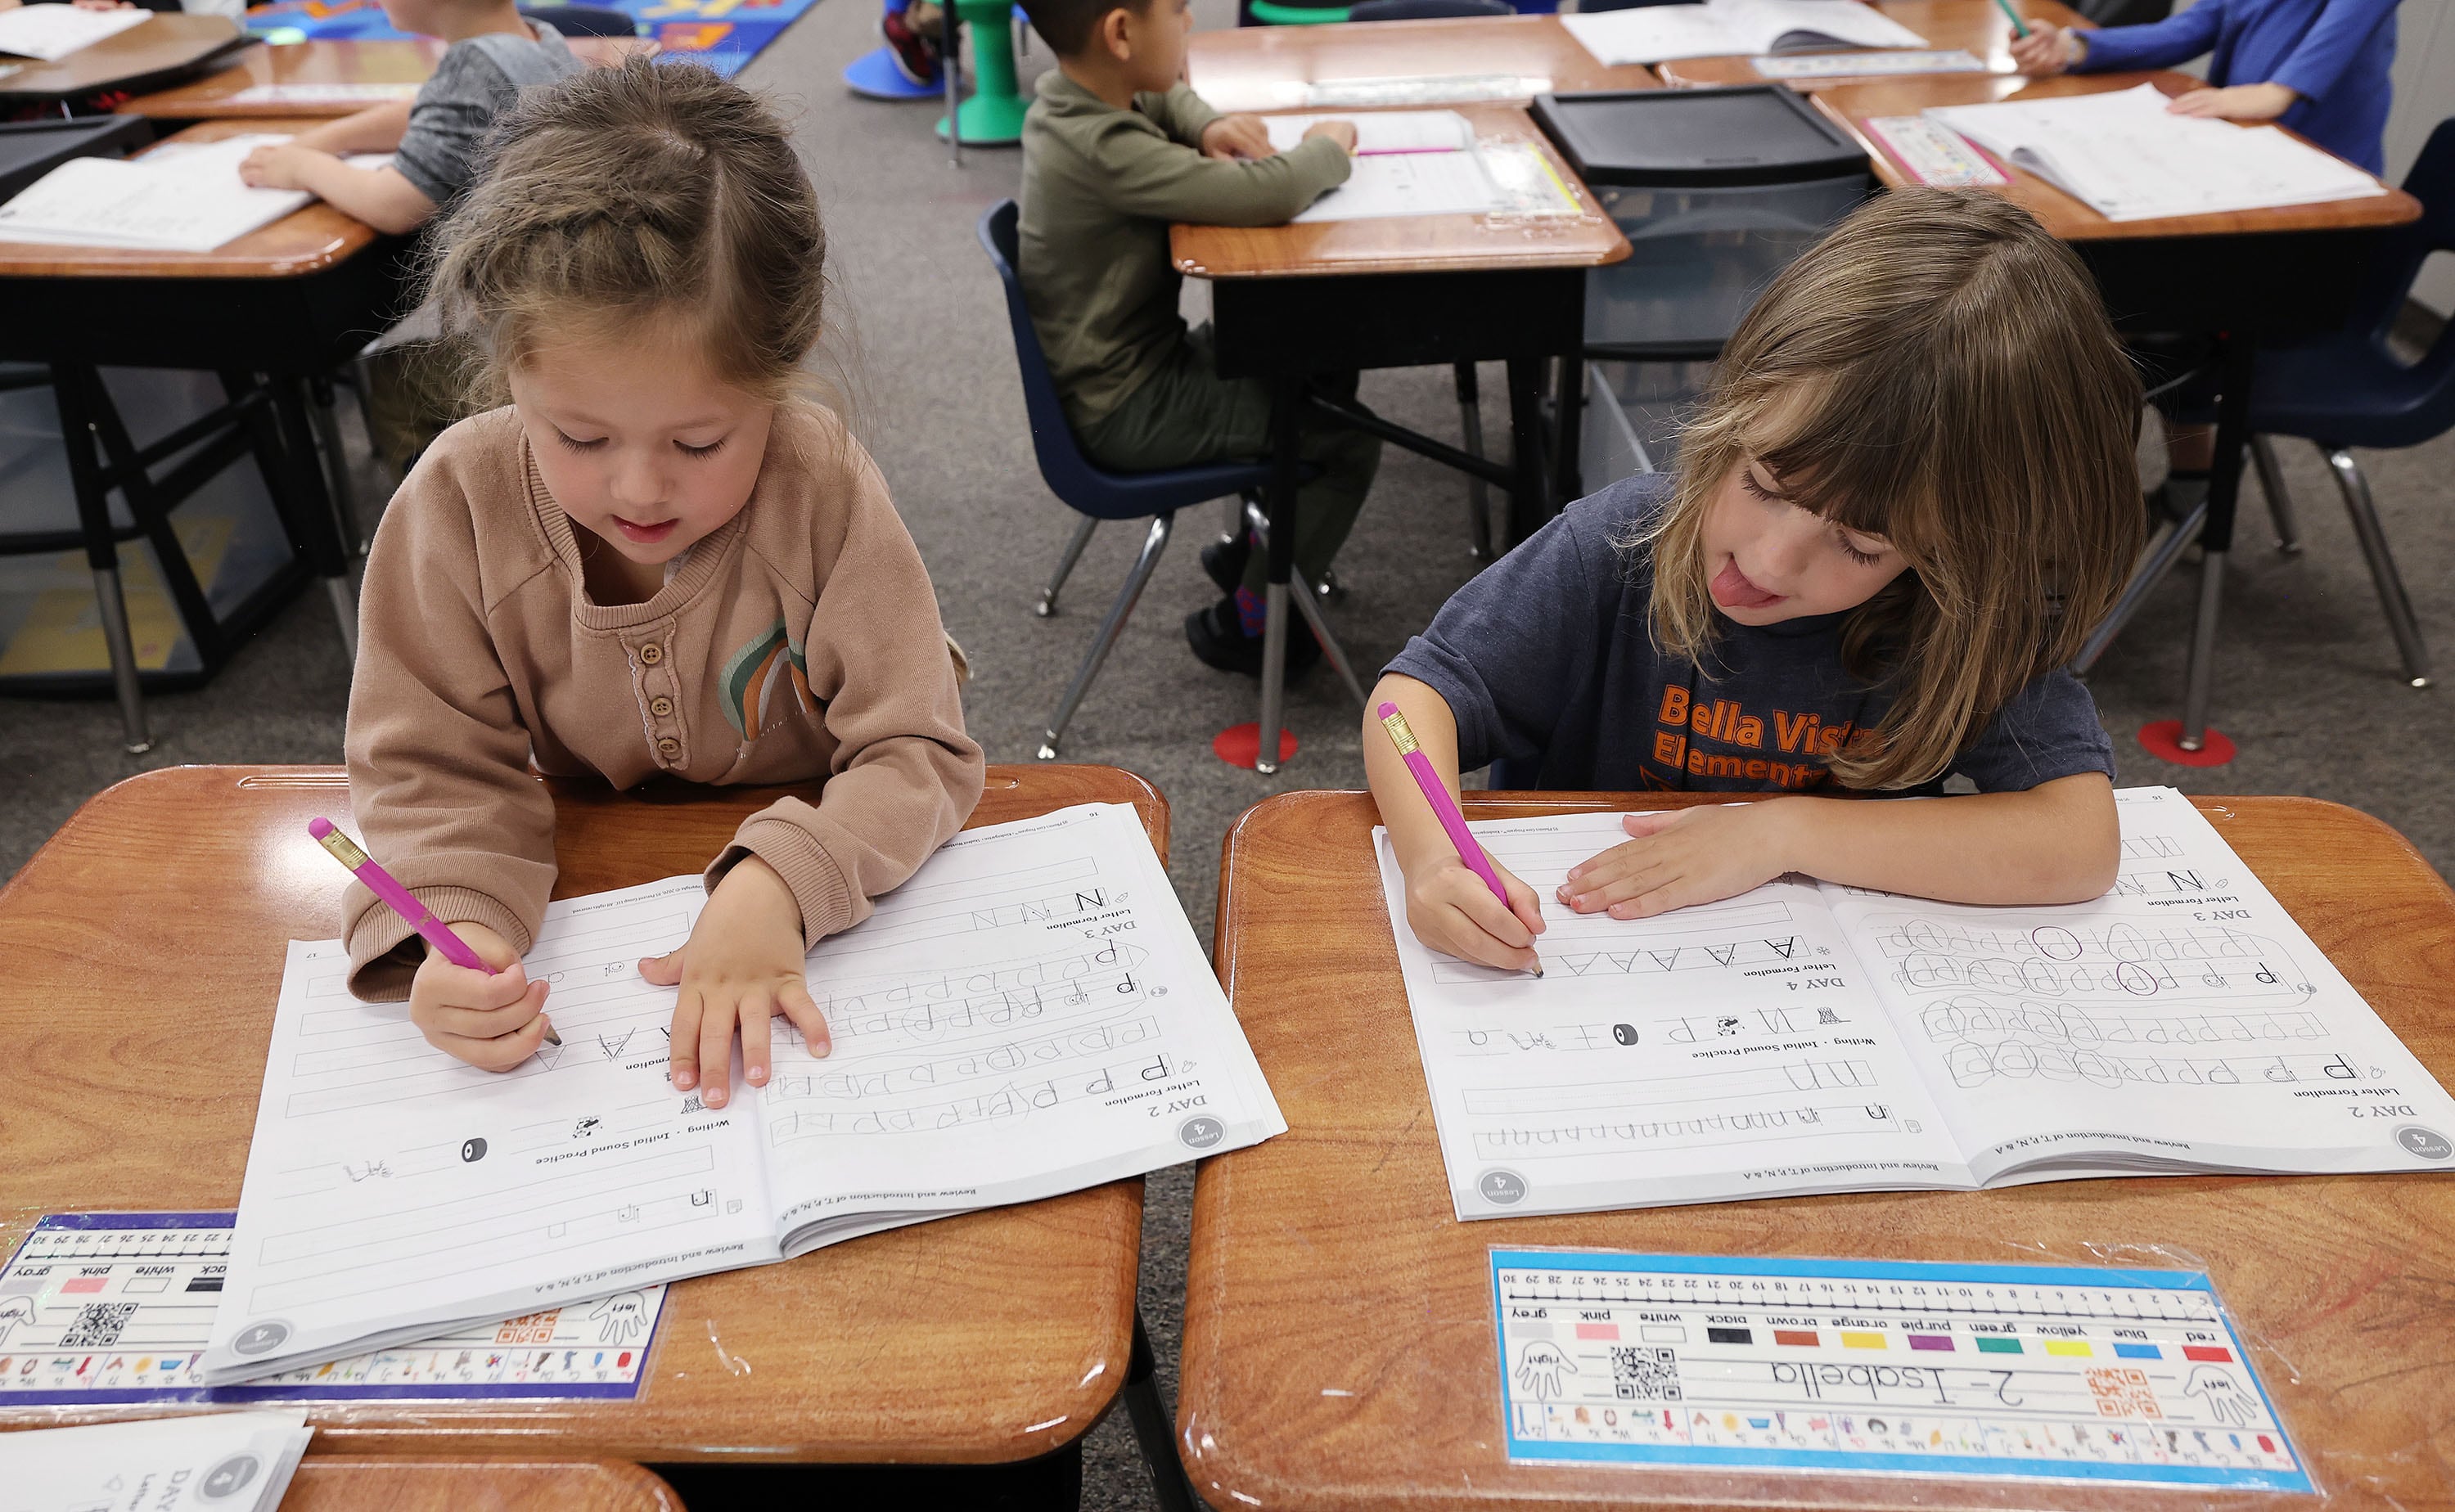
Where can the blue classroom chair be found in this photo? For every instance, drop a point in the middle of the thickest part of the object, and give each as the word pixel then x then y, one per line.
pixel 2351 389
pixel 1089 490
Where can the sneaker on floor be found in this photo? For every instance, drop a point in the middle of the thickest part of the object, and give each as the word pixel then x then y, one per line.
pixel 1223 562
pixel 1217 636
pixel 915 55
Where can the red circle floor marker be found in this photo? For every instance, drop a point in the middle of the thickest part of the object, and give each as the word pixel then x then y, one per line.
pixel 2162 740
pixel 1239 744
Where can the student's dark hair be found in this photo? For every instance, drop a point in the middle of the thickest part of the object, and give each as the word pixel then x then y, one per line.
pixel 1941 373
pixel 644 193
pixel 1067 26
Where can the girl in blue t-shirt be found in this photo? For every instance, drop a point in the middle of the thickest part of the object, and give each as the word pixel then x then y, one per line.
pixel 1908 495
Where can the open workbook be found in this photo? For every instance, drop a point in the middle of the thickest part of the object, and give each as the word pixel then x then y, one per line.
pixel 1804 1038
pixel 181 196
pixel 2126 156
pixel 1028 1014
pixel 1733 27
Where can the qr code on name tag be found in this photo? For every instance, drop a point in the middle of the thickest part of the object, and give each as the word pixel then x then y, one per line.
pixel 97 1326
pixel 1645 1375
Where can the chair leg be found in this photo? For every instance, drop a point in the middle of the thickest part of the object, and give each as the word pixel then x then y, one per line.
pixel 2165 549
pixel 1231 525
pixel 69 392
pixel 2199 683
pixel 2280 503
pixel 1308 600
pixel 2392 598
pixel 1082 537
pixel 1153 543
pixel 1152 1431
pixel 1478 501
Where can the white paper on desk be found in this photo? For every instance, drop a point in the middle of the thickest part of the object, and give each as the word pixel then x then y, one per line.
pixel 229 1461
pixel 1807 1038
pixel 51 32
pixel 1379 132
pixel 1728 27
pixel 323 93
pixel 1410 184
pixel 1028 1014
pixel 2128 157
pixel 181 196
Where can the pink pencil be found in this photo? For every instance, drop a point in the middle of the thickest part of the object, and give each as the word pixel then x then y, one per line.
pixel 1443 809
pixel 401 901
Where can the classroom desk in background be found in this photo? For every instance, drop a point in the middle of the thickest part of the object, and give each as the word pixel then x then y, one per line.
pixel 1292 301
pixel 1338 1326
pixel 353 1484
pixel 397 65
pixel 1396 63
pixel 166 46
pixel 145 947
pixel 1977 27
pixel 290 301
pixel 2241 276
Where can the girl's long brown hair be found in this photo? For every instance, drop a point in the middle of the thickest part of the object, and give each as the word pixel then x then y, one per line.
pixel 645 193
pixel 1938 372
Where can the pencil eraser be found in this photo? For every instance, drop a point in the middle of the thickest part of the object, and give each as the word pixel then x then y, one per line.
pixel 1385 711
pixel 319 826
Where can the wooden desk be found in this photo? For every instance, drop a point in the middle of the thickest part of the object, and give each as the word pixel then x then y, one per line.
pixel 145 948
pixel 1338 1328
pixel 1413 244
pixel 341 1483
pixel 1508 58
pixel 309 240
pixel 290 301
pixel 147 55
pixel 1976 27
pixel 1851 105
pixel 1289 302
pixel 405 63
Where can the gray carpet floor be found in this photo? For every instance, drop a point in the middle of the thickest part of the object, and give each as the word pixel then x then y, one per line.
pixel 919 349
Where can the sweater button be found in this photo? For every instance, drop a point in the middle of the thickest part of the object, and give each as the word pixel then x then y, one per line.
pixel 668 745
pixel 652 654
pixel 660 706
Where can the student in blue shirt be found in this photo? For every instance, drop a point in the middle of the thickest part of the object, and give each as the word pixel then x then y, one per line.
pixel 2317 66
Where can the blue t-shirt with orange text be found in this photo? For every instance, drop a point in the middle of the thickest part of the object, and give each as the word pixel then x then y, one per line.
pixel 1546 658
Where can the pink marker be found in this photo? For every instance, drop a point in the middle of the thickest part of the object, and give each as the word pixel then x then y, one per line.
pixel 1443 809
pixel 400 900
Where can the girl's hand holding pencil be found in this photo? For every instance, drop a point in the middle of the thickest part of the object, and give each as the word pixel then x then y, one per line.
pixel 493 1021
pixel 1451 910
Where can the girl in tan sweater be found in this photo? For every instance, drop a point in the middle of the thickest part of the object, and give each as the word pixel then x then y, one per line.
pixel 654 562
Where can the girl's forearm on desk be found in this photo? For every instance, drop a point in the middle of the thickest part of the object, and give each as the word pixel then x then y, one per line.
pixel 1415 831
pixel 2059 843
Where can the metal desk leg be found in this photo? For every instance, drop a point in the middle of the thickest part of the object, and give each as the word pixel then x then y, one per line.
pixel 1152 1429
pixel 93 518
pixel 1478 501
pixel 2236 368
pixel 1530 502
pixel 1568 427
pixel 336 464
pixel 311 518
pixel 1287 401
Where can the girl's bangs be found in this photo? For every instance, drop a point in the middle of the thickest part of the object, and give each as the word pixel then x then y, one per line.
pixel 1839 447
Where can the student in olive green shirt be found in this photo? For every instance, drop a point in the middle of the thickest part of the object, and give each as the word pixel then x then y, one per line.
pixel 1113 150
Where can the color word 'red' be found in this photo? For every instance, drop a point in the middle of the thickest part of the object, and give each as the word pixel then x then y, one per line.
pixel 2210 1353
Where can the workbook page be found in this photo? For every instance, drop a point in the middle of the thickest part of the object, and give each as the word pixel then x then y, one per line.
pixel 1410 184
pixel 1028 1014
pixel 2182 1019
pixel 393 1191
pixel 1731 1049
pixel 51 32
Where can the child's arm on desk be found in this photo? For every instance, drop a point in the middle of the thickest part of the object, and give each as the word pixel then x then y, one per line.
pixel 377 129
pixel 1156 178
pixel 379 196
pixel 2059 842
pixel 1448 906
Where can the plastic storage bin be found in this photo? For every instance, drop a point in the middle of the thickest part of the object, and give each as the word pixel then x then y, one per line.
pixel 1716 190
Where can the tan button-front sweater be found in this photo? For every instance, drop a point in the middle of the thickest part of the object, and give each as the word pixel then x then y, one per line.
pixel 800 643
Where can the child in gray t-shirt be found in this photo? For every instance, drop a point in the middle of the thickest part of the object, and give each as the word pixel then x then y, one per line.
pixel 494 54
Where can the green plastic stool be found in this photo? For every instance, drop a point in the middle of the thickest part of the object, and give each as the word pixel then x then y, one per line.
pixel 1278 16
pixel 993 116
